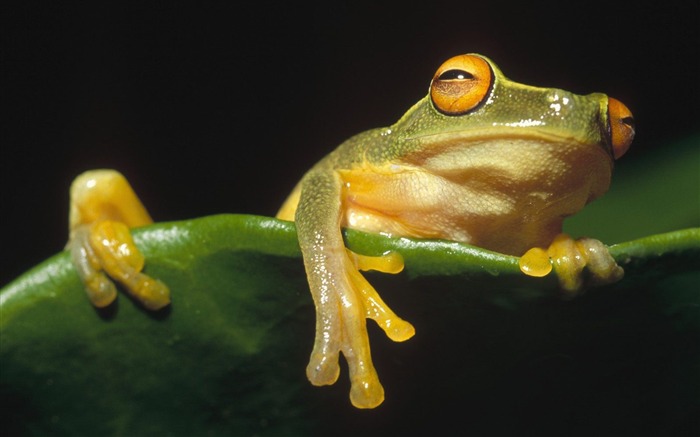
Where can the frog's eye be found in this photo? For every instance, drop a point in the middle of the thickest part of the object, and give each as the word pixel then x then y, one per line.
pixel 460 84
pixel 621 126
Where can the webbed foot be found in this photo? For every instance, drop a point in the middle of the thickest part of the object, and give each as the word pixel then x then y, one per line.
pixel 341 327
pixel 568 258
pixel 105 250
pixel 103 207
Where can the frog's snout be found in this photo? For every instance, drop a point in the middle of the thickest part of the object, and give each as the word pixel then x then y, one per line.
pixel 621 125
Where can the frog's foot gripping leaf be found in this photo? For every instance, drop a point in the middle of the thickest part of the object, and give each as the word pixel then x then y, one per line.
pixel 103 208
pixel 341 327
pixel 569 258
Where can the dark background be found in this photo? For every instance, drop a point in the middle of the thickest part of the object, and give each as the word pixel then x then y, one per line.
pixel 221 107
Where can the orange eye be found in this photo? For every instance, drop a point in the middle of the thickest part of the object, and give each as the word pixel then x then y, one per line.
pixel 460 84
pixel 621 126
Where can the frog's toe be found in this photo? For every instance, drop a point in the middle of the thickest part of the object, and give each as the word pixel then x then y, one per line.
pixel 577 263
pixel 535 262
pixel 351 338
pixel 323 366
pixel 344 301
pixel 104 251
pixel 394 326
pixel 99 288
pixel 152 293
pixel 601 265
pixel 366 391
pixel 323 369
pixel 568 262
pixel 389 262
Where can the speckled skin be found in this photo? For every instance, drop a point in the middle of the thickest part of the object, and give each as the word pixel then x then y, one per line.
pixel 481 160
pixel 501 176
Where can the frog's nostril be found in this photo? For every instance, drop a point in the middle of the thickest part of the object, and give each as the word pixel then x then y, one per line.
pixel 621 126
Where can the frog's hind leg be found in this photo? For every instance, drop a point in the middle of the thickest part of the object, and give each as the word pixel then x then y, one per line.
pixel 341 327
pixel 395 327
pixel 366 390
pixel 103 208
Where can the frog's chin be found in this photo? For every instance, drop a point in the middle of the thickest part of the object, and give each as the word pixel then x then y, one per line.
pixel 518 164
pixel 535 149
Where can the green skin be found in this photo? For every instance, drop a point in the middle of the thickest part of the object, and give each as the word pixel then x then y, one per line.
pixel 564 161
pixel 482 160
pixel 501 176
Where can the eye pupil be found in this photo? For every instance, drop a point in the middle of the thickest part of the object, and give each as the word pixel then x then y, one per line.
pixel 629 121
pixel 456 75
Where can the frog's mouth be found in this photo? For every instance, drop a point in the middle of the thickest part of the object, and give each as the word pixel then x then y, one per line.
pixel 461 147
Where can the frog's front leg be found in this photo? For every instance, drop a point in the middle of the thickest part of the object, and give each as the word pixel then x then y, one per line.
pixel 568 258
pixel 103 208
pixel 342 297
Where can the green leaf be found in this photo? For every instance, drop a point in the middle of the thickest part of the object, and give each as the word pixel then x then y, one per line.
pixel 228 356
pixel 496 353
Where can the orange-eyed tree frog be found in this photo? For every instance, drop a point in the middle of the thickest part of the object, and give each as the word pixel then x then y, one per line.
pixel 481 160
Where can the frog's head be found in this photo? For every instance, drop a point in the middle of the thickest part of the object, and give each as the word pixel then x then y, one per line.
pixel 471 98
pixel 476 119
pixel 473 84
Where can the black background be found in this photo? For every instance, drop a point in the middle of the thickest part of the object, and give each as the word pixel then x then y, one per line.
pixel 220 107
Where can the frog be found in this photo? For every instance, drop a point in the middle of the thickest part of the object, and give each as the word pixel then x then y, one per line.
pixel 481 160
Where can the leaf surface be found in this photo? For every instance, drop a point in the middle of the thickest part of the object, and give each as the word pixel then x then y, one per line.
pixel 228 356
